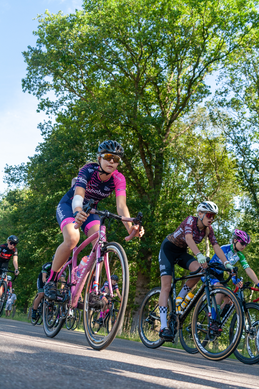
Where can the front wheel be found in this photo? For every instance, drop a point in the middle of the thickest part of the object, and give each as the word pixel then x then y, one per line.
pixel 118 263
pixel 247 350
pixel 211 324
pixel 149 319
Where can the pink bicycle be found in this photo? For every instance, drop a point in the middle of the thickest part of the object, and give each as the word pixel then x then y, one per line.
pixel 104 259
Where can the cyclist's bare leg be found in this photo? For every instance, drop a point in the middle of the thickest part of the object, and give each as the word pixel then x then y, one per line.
pixel 71 238
pixel 37 300
pixel 193 281
pixel 93 230
pixel 165 290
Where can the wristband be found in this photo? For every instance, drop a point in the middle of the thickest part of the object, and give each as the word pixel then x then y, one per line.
pixel 257 285
pixel 74 214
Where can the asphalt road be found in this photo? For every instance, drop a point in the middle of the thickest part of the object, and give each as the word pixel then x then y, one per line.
pixel 31 360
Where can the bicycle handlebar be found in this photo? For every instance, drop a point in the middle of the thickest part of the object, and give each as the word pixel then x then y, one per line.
pixel 9 271
pixel 219 266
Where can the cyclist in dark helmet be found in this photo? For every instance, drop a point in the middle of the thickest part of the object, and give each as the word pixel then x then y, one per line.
pixel 7 251
pixel 95 181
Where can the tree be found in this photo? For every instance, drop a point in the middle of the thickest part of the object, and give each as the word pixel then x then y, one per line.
pixel 134 71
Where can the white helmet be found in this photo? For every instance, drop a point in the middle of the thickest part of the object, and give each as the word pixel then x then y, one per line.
pixel 207 206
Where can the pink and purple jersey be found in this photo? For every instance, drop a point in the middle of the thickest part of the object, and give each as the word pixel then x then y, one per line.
pixel 95 188
pixel 189 226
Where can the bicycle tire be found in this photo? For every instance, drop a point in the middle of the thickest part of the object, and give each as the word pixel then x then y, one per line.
pixel 247 351
pixel 52 322
pixel 111 319
pixel 149 319
pixel 3 297
pixel 216 344
pixel 118 264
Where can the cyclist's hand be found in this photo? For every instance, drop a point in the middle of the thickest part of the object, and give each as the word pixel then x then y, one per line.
pixel 236 281
pixel 16 272
pixel 80 218
pixel 201 259
pixel 134 231
pixel 228 266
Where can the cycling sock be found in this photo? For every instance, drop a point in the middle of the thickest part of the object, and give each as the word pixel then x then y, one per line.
pixel 185 289
pixel 163 316
pixel 53 276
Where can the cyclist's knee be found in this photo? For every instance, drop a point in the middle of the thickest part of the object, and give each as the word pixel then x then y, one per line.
pixel 71 241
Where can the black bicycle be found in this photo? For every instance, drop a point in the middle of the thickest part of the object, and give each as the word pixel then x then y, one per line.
pixel 201 325
pixel 3 286
pixel 106 323
pixel 247 350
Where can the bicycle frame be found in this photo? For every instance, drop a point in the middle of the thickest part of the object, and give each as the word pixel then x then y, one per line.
pixel 77 284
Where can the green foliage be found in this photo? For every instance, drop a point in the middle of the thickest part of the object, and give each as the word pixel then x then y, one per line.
pixel 135 72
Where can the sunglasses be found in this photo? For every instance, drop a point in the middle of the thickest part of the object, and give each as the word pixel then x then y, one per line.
pixel 242 243
pixel 12 243
pixel 109 157
pixel 210 215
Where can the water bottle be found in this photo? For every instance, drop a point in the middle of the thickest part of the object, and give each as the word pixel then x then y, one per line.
pixel 187 299
pixel 81 265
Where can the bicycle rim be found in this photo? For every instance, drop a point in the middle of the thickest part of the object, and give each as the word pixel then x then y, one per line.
pixel 211 333
pixel 247 350
pixel 2 299
pixel 52 319
pixel 118 265
pixel 149 319
pixel 77 319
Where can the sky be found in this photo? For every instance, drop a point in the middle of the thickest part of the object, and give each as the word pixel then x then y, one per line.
pixel 18 117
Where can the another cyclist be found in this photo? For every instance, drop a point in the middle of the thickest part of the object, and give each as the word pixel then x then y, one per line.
pixel 9 284
pixel 41 281
pixel 11 299
pixel 174 251
pixel 7 251
pixel 105 290
pixel 95 181
pixel 234 253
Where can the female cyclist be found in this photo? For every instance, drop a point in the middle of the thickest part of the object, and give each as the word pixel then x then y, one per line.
pixel 174 250
pixel 95 181
pixel 234 253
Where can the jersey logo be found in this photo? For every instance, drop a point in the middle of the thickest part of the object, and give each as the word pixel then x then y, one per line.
pixel 90 170
pixel 106 188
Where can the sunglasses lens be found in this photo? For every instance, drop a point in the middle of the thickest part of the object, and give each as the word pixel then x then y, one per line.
pixel 210 215
pixel 12 243
pixel 109 157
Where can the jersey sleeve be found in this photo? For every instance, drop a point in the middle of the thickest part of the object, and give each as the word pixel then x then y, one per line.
pixel 188 225
pixel 120 184
pixel 212 237
pixel 243 260
pixel 84 175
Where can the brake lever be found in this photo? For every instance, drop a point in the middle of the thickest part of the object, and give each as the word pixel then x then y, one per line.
pixel 87 207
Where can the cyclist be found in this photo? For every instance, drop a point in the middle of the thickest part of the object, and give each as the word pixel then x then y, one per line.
pixel 104 290
pixel 234 253
pixel 11 299
pixel 9 284
pixel 41 280
pixel 174 250
pixel 7 251
pixel 95 181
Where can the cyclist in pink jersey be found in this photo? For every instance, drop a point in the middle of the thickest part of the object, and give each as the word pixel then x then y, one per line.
pixel 174 251
pixel 95 181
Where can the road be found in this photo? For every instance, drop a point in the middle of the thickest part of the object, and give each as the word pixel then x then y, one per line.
pixel 30 360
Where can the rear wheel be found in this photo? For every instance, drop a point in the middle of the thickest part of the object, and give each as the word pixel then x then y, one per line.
pixel 77 319
pixel 38 316
pixel 149 319
pixel 118 264
pixel 211 330
pixel 3 297
pixel 247 350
